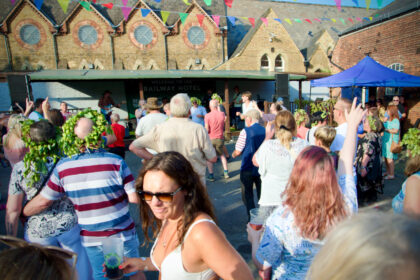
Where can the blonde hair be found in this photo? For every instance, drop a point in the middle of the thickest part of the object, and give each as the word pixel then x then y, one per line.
pixel 344 104
pixel 14 132
pixel 285 126
pixel 326 135
pixel 371 245
pixel 412 165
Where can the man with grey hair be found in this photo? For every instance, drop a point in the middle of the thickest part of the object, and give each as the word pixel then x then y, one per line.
pixel 179 134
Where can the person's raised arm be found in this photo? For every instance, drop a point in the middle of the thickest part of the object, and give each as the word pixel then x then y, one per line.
pixel 13 209
pixel 29 106
pixel 354 117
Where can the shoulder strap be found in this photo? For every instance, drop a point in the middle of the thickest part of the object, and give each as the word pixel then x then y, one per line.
pixel 195 223
pixel 45 180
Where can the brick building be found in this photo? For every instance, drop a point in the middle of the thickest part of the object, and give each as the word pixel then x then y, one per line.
pixel 392 39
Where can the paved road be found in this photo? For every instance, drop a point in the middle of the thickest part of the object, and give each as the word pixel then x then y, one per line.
pixel 226 198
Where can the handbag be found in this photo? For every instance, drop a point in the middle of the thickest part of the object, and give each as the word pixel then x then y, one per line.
pixel 396 148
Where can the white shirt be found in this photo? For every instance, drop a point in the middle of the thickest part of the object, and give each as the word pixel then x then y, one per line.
pixel 340 135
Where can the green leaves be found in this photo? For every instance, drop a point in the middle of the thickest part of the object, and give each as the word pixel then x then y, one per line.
pixel 411 139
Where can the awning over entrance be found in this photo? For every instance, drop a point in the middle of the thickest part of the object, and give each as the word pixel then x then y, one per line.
pixel 58 75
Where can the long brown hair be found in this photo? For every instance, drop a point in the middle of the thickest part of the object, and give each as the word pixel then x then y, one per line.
pixel 313 194
pixel 393 112
pixel 196 200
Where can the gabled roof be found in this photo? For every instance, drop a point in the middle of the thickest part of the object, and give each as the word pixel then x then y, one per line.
pixel 189 9
pixel 311 45
pixel 18 6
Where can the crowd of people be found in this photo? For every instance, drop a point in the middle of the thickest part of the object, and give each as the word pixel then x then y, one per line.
pixel 310 180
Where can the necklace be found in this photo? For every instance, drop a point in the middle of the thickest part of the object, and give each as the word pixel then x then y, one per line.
pixel 165 239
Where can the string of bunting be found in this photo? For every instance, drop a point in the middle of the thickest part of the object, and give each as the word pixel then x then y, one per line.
pixel 183 16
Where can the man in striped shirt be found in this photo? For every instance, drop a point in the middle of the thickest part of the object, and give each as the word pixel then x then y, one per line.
pixel 100 185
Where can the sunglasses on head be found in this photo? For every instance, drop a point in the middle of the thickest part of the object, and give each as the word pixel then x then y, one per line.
pixel 161 196
pixel 14 242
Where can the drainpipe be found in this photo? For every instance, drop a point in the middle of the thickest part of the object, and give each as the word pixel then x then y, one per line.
pixel 57 28
pixel 111 37
pixel 166 46
pixel 223 42
pixel 7 46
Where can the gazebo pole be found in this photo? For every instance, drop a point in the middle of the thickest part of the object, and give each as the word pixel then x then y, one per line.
pixel 141 91
pixel 227 124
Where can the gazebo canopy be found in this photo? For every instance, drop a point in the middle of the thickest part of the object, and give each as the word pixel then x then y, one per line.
pixel 368 73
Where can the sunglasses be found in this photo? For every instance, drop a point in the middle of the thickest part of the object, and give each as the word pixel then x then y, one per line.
pixel 161 196
pixel 14 242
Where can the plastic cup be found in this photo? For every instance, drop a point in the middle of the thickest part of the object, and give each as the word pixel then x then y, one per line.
pixel 257 218
pixel 113 249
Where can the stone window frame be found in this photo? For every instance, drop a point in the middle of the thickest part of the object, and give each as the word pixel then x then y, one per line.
pixel 397 67
pixel 99 33
pixel 42 34
pixel 267 60
pixel 394 91
pixel 279 68
pixel 134 40
pixel 187 41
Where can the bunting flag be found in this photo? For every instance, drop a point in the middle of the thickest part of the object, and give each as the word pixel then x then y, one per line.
pixel 367 5
pixel 371 18
pixel 94 1
pixel 343 21
pixel 365 18
pixel 164 15
pixel 38 4
pixel 277 19
pixel 186 2
pixel 356 2
pixel 298 20
pixel 350 19
pixel 108 5
pixel 216 19
pixel 232 20
pixel 265 20
pixel 252 21
pixel 208 2
pixel 144 12
pixel 124 2
pixel 200 18
pixel 318 20
pixel 308 20
pixel 229 3
pixel 379 3
pixel 333 20
pixel 183 17
pixel 126 12
pixel 157 1
pixel 359 19
pixel 338 4
pixel 288 21
pixel 64 4
pixel 85 5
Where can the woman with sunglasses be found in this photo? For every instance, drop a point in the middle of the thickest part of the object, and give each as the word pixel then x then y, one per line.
pixel 176 208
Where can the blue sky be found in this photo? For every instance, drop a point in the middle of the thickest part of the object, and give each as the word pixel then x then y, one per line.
pixel 362 3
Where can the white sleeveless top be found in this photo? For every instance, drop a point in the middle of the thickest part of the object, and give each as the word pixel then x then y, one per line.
pixel 172 267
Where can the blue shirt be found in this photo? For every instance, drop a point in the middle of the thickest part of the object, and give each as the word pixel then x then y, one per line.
pixel 200 110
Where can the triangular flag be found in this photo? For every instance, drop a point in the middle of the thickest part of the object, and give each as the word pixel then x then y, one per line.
pixel 216 19
pixel 350 19
pixel 367 19
pixel 144 12
pixel 232 20
pixel 38 4
pixel 186 2
pixel 333 20
pixel 252 21
pixel 183 17
pixel 208 2
pixel 298 20
pixel 200 18
pixel 367 5
pixel 85 5
pixel 288 21
pixel 343 21
pixel 277 19
pixel 379 3
pixel 124 2
pixel 164 15
pixel 229 3
pixel 308 20
pixel 338 4
pixel 318 20
pixel 356 2
pixel 370 18
pixel 157 1
pixel 108 5
pixel 265 20
pixel 94 1
pixel 126 12
pixel 64 4
pixel 359 19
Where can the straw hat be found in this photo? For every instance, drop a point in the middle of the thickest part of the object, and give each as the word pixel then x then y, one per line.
pixel 152 104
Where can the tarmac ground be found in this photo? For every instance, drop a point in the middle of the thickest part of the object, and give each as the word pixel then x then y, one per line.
pixel 226 197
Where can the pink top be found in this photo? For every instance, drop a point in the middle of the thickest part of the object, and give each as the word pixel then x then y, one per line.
pixel 215 122
pixel 302 132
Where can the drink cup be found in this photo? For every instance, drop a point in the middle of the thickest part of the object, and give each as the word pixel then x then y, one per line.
pixel 257 218
pixel 113 249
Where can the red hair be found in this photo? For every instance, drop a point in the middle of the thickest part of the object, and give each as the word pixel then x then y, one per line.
pixel 393 112
pixel 313 194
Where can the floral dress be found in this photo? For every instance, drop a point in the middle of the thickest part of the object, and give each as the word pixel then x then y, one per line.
pixel 370 145
pixel 53 221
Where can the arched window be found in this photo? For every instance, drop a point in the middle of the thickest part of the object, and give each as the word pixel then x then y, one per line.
pixel 265 64
pixel 278 64
pixel 397 67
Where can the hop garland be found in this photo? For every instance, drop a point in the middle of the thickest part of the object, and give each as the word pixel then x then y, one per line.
pixel 195 99
pixel 70 144
pixel 217 97
pixel 39 154
pixel 299 116
pixel 411 139
pixel 371 121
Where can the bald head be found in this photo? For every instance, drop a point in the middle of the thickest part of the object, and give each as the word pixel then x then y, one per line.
pixel 83 127
pixel 213 104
